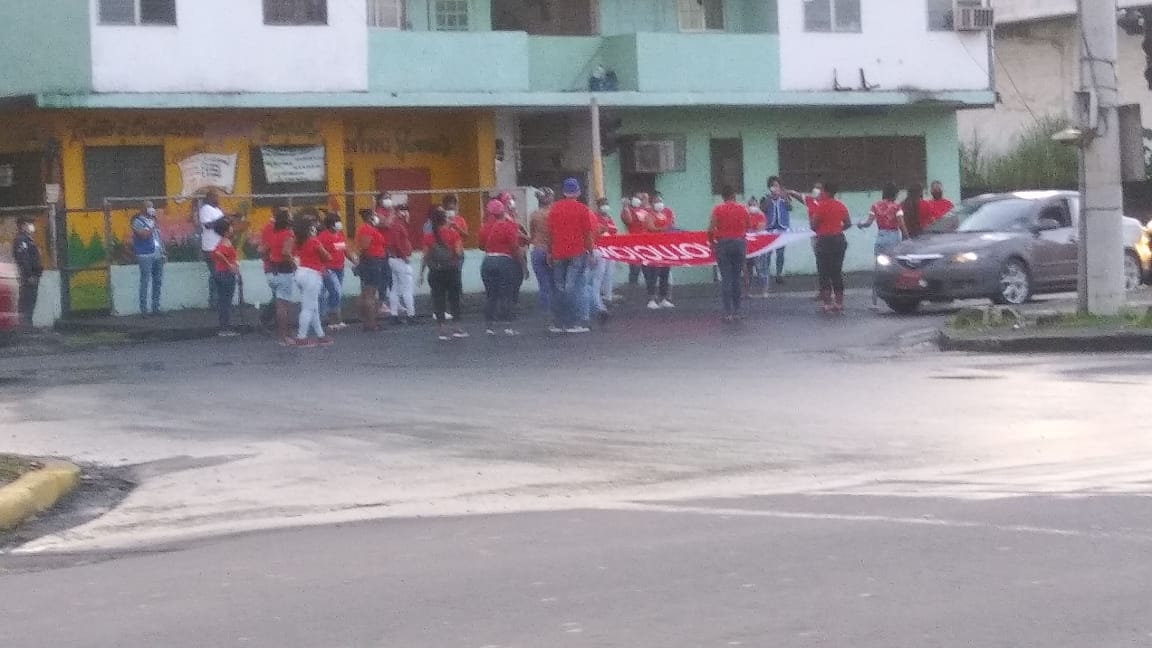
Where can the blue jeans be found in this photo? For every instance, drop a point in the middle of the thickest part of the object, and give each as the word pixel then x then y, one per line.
pixel 211 263
pixel 151 271
pixel 543 273
pixel 501 275
pixel 568 277
pixel 730 255
pixel 779 262
pixel 225 288
pixel 332 292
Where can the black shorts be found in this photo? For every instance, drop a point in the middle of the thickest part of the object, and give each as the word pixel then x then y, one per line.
pixel 374 272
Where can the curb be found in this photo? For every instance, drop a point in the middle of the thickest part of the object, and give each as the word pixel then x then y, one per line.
pixel 35 492
pixel 1099 342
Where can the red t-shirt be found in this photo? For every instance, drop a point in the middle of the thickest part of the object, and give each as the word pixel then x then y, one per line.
pixel 265 236
pixel 827 216
pixel 634 220
pixel 378 245
pixel 449 236
pixel 224 249
pixel 460 225
pixel 757 221
pixel 500 237
pixel 569 224
pixel 606 226
pixel 664 220
pixel 337 246
pixel 275 243
pixel 887 214
pixel 309 254
pixel 399 241
pixel 933 210
pixel 732 220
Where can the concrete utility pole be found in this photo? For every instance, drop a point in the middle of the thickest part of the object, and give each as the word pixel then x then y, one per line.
pixel 597 153
pixel 1101 237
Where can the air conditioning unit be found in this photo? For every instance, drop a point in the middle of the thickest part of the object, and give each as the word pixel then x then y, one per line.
pixel 974 19
pixel 653 156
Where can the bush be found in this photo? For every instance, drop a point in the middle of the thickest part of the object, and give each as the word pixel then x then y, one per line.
pixel 1035 162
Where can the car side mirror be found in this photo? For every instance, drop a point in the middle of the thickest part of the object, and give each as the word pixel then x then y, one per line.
pixel 1046 225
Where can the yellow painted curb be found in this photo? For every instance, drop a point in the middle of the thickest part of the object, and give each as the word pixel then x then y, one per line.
pixel 35 492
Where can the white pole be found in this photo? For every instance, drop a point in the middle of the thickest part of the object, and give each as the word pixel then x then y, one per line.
pixel 1103 242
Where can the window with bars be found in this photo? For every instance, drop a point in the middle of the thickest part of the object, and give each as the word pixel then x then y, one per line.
pixel 451 15
pixel 701 15
pixel 832 16
pixel 122 172
pixel 853 163
pixel 295 12
pixel 386 14
pixel 137 12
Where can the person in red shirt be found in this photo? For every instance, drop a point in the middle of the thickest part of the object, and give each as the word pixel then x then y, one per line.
pixel 938 206
pixel 226 269
pixel 889 219
pixel 571 240
pixel 385 210
pixel 756 270
pixel 277 244
pixel 830 218
pixel 333 239
pixel 443 252
pixel 604 270
pixel 916 211
pixel 502 267
pixel 726 233
pixel 373 266
pixel 657 279
pixel 634 216
pixel 401 297
pixel 314 260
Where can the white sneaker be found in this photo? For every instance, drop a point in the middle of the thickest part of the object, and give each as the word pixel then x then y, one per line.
pixel 666 304
pixel 652 305
pixel 577 329
pixel 490 331
pixel 555 329
pixel 511 332
pixel 448 316
pixel 460 335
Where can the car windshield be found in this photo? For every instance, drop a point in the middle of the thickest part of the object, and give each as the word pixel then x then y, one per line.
pixel 997 215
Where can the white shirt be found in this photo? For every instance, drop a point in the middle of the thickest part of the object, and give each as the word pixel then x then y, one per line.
pixel 209 239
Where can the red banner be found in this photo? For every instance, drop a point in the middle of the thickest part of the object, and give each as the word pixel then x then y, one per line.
pixel 685 248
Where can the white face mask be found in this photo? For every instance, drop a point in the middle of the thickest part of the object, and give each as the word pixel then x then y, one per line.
pixel 311 231
pixel 375 220
pixel 387 203
pixel 451 213
pixel 658 206
pixel 151 211
pixel 339 227
pixel 636 203
pixel 754 209
pixel 31 229
pixel 816 191
pixel 511 204
pixel 605 209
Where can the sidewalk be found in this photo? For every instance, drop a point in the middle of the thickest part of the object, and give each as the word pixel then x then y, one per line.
pixel 200 323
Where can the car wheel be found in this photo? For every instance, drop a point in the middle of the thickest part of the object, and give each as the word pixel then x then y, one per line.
pixel 903 306
pixel 1133 275
pixel 1015 284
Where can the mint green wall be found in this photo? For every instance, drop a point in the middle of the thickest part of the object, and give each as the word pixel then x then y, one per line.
pixel 689 193
pixel 561 63
pixel 418 13
pixel 708 62
pixel 423 61
pixel 48 46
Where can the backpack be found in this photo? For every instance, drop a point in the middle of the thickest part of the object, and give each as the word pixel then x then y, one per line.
pixel 440 257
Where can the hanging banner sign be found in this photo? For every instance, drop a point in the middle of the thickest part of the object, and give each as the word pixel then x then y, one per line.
pixel 685 248
pixel 206 170
pixel 293 164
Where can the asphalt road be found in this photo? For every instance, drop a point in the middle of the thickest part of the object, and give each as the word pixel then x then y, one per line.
pixel 669 481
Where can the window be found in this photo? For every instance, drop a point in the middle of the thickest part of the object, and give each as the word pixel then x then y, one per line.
pixel 297 161
pixel 832 15
pixel 123 172
pixel 546 17
pixel 853 163
pixel 295 12
pixel 727 165
pixel 386 14
pixel 701 15
pixel 451 15
pixel 20 181
pixel 137 12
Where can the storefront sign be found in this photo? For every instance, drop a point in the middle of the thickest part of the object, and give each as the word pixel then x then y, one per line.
pixel 204 170
pixel 400 142
pixel 293 164
pixel 685 248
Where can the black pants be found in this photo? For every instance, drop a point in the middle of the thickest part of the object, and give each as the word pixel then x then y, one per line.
pixel 501 276
pixel 730 255
pixel 634 273
pixel 446 288
pixel 830 252
pixel 29 291
pixel 656 280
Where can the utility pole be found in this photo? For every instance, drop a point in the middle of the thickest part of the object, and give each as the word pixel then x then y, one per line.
pixel 597 153
pixel 1101 289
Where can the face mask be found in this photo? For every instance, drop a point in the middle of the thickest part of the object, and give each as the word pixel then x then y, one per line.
pixel 816 191
pixel 511 204
pixel 937 194
pixel 754 209
pixel 776 191
pixel 606 210
pixel 658 206
pixel 375 220
pixel 339 227
pixel 31 229
pixel 636 203
pixel 451 213
pixel 311 231
pixel 387 203
pixel 402 214
pixel 151 211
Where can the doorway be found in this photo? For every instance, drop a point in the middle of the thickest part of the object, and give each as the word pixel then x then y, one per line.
pixel 396 181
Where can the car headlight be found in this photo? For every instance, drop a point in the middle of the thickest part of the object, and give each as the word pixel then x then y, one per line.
pixel 883 260
pixel 967 257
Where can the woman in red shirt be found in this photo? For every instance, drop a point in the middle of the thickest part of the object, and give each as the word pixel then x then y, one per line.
pixel 756 269
pixel 443 252
pixel 889 218
pixel 829 219
pixel 333 239
pixel 726 233
pixel 225 272
pixel 502 268
pixel 373 266
pixel 657 279
pixel 314 260
pixel 634 215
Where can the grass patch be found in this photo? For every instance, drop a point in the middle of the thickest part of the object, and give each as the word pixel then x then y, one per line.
pixel 1007 319
pixel 1033 162
pixel 11 467
pixel 1125 320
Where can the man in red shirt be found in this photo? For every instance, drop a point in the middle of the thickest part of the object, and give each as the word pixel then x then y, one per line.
pixel 401 296
pixel 938 206
pixel 730 222
pixel 570 242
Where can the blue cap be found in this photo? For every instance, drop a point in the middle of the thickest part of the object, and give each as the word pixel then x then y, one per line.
pixel 572 187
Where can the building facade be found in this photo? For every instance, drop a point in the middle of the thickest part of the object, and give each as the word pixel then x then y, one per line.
pixel 123 98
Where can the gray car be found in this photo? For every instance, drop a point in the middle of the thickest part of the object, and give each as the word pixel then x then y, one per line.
pixel 1005 247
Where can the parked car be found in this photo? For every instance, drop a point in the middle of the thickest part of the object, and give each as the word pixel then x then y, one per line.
pixel 9 295
pixel 1005 247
